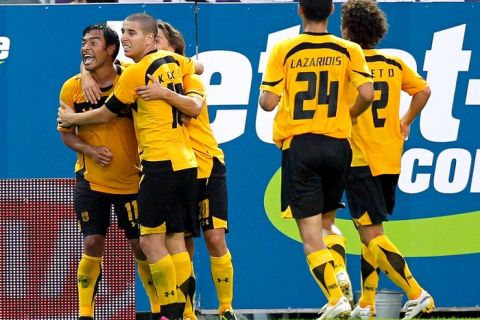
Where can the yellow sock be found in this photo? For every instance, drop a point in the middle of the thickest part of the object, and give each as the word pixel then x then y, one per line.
pixel 222 275
pixel 189 311
pixel 336 244
pixel 164 279
pixel 89 274
pixel 321 266
pixel 183 271
pixel 369 270
pixel 147 281
pixel 394 265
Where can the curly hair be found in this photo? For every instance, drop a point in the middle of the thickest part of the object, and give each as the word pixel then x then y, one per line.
pixel 363 22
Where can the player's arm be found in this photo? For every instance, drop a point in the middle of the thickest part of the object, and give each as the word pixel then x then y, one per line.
pixel 268 100
pixel 102 155
pixel 418 102
pixel 198 67
pixel 363 101
pixel 189 105
pixel 66 117
pixel 90 88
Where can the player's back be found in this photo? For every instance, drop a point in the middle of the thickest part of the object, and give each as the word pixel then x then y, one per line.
pixel 377 132
pixel 312 72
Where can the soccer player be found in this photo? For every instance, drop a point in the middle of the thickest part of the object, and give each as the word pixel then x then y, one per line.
pixel 308 76
pixel 107 169
pixel 166 195
pixel 377 143
pixel 211 175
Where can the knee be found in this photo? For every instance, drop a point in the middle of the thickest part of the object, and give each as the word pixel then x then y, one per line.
pixel 94 245
pixel 215 242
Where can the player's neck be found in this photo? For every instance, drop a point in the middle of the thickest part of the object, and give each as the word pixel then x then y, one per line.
pixel 147 50
pixel 315 27
pixel 105 76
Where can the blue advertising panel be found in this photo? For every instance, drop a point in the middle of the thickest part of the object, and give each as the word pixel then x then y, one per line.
pixel 437 214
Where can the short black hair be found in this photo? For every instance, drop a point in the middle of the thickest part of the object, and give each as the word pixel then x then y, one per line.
pixel 316 10
pixel 111 37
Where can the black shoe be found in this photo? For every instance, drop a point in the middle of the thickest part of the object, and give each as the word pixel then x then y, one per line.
pixel 228 315
pixel 85 318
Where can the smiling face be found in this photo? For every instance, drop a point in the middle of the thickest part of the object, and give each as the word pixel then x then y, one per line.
pixel 134 41
pixel 95 52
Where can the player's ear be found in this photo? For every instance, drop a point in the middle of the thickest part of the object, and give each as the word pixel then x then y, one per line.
pixel 111 49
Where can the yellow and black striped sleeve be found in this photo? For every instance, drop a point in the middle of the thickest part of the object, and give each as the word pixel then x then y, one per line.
pixel 274 76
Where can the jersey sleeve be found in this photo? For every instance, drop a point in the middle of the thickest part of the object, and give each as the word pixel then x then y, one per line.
pixel 193 86
pixel 187 65
pixel 67 94
pixel 274 76
pixel 412 82
pixel 124 91
pixel 359 73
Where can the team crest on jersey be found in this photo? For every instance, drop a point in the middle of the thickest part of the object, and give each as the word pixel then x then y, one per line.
pixel 85 216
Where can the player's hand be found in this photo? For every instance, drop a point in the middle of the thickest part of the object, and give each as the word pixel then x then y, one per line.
pixel 404 129
pixel 65 115
pixel 102 155
pixel 185 119
pixel 155 91
pixel 90 88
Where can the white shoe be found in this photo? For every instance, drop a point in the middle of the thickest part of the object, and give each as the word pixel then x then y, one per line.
pixel 341 310
pixel 423 304
pixel 367 313
pixel 346 286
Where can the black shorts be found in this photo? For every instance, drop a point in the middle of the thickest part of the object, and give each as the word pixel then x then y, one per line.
pixel 314 172
pixel 93 210
pixel 212 199
pixel 166 197
pixel 370 199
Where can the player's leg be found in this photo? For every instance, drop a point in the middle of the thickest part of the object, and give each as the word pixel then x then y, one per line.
pixel 336 243
pixel 181 206
pixel 214 223
pixel 153 205
pixel 304 194
pixel 126 210
pixel 189 311
pixel 93 214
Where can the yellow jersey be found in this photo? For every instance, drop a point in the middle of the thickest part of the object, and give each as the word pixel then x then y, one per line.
pixel 376 138
pixel 311 73
pixel 204 143
pixel 122 175
pixel 160 135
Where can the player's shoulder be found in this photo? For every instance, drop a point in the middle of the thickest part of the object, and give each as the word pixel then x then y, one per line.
pixel 380 55
pixel 73 82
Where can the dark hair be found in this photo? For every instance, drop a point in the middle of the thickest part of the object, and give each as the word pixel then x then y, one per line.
pixel 111 37
pixel 174 37
pixel 148 23
pixel 316 10
pixel 364 22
